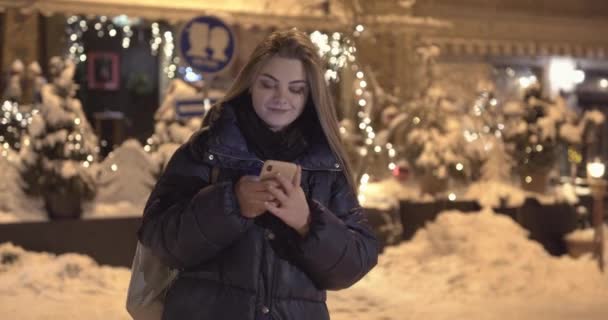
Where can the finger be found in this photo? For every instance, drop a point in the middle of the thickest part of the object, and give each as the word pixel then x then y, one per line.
pixel 271 183
pixel 263 195
pixel 278 194
pixel 271 176
pixel 274 209
pixel 298 178
pixel 253 186
pixel 285 184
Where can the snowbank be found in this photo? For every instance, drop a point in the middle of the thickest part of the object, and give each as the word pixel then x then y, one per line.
pixel 474 266
pixel 462 266
pixel 69 286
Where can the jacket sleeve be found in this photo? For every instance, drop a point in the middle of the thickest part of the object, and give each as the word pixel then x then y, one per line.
pixel 187 220
pixel 339 248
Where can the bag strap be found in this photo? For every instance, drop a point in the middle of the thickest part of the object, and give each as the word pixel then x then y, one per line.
pixel 215 172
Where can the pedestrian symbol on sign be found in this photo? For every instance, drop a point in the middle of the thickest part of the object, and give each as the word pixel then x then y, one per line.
pixel 207 44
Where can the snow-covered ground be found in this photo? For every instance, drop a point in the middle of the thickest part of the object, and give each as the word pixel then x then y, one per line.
pixel 473 266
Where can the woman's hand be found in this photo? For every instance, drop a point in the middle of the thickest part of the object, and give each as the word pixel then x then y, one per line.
pixel 252 194
pixel 290 205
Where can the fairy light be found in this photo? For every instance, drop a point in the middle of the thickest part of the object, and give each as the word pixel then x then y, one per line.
pixel 13 124
pixel 337 50
pixel 156 39
pixel 76 26
pixel 169 63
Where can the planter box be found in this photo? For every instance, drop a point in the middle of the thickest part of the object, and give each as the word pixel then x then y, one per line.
pixel 108 241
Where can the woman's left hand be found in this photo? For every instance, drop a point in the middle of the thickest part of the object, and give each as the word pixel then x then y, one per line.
pixel 290 204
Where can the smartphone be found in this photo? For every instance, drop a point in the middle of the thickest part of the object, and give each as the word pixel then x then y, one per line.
pixel 287 169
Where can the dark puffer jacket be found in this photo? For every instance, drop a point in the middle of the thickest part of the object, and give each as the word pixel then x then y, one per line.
pixel 236 268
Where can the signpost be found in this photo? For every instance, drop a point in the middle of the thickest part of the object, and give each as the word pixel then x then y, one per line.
pixel 208 46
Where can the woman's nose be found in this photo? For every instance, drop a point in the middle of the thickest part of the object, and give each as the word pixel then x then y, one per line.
pixel 281 94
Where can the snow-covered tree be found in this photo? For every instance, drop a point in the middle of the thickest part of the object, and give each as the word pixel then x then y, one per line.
pixel 171 131
pixel 536 127
pixel 427 132
pixel 15 117
pixel 37 80
pixel 13 90
pixel 61 146
pixel 497 165
pixel 127 174
pixel 482 129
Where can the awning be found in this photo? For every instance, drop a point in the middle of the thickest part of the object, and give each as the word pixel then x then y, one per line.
pixel 518 48
pixel 283 13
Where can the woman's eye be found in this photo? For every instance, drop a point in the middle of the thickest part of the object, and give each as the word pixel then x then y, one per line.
pixel 267 85
pixel 299 90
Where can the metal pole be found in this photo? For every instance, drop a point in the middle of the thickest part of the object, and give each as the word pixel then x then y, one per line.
pixel 598 189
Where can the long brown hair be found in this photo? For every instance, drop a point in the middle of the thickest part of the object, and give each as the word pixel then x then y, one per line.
pixel 295 44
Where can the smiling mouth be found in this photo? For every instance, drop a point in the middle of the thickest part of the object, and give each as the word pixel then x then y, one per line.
pixel 278 109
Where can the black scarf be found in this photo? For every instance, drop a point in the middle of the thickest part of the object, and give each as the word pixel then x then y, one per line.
pixel 285 145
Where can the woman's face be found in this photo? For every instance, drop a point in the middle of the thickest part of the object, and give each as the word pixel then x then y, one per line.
pixel 279 92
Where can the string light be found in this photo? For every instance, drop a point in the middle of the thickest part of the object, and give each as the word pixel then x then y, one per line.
pixel 337 50
pixel 75 29
pixel 77 26
pixel 168 48
pixel 156 39
pixel 13 124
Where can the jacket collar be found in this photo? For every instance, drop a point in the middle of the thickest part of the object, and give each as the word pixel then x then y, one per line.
pixel 225 140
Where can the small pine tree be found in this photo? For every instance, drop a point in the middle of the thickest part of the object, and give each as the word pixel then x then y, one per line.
pixel 61 145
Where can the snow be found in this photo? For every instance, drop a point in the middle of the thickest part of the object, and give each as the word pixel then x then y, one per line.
pixel 15 206
pixel 478 266
pixel 384 194
pixel 379 198
pixel 120 209
pixel 490 194
pixel 52 109
pixel 462 266
pixel 69 286
pixel 595 116
pixel 127 174
pixel 69 169
pixel 38 126
pixel 572 133
pixel 164 153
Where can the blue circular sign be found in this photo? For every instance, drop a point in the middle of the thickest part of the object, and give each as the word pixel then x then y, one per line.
pixel 207 44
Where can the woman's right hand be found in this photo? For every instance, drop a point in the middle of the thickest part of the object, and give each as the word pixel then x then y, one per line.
pixel 251 194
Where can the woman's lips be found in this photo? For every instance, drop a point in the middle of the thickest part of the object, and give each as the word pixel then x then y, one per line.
pixel 274 109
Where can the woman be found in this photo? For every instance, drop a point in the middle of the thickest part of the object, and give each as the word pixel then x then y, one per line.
pixel 251 249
